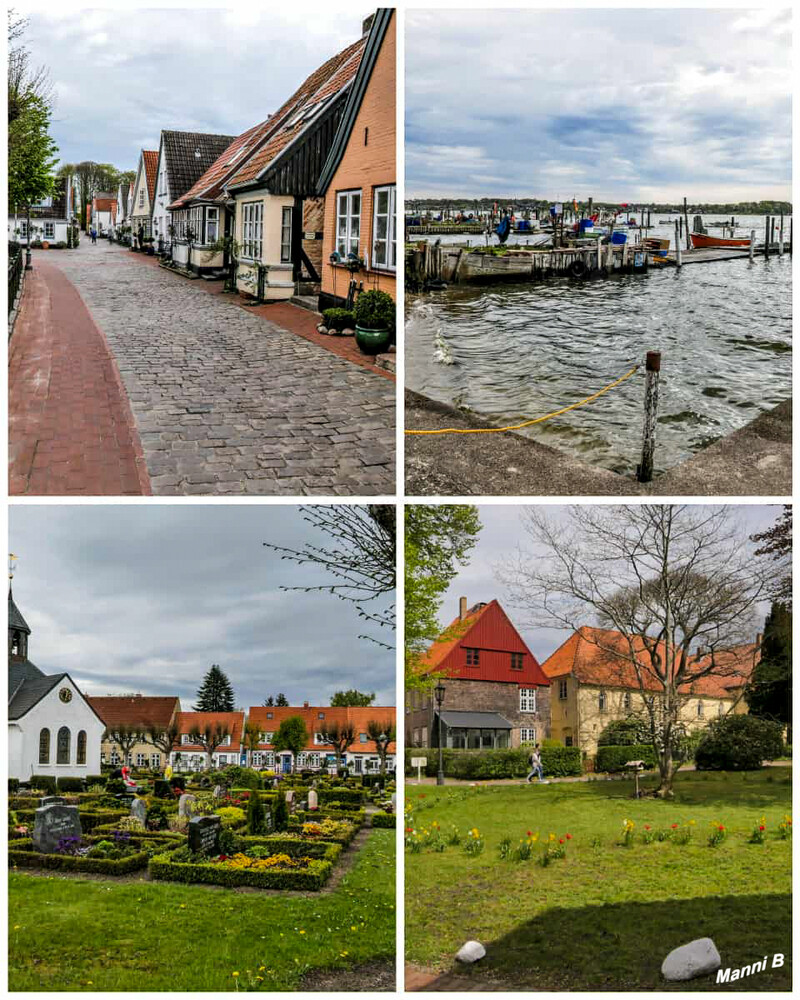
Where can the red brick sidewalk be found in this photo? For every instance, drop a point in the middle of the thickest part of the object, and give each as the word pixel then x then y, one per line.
pixel 425 981
pixel 71 430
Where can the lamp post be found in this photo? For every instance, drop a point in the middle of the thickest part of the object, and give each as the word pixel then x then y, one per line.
pixel 439 692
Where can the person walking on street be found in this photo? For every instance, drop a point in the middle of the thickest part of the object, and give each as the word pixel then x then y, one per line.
pixel 140 234
pixel 93 234
pixel 535 761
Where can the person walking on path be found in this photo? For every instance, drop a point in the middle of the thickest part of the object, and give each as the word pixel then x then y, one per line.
pixel 140 235
pixel 93 234
pixel 535 760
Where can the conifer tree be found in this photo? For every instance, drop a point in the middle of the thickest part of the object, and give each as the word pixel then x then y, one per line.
pixel 215 693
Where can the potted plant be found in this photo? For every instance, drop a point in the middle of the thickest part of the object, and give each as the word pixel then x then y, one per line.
pixel 375 321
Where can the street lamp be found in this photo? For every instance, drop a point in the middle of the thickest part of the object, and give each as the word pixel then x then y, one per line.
pixel 439 692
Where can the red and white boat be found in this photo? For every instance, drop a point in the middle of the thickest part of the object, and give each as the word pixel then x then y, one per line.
pixel 700 240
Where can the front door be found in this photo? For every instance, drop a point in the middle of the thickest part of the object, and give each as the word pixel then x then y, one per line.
pixel 359 765
pixel 286 764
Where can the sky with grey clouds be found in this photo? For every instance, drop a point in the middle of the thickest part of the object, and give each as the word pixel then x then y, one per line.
pixel 623 105
pixel 122 75
pixel 145 598
pixel 500 536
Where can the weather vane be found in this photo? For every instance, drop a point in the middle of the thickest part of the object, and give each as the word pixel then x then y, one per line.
pixel 11 560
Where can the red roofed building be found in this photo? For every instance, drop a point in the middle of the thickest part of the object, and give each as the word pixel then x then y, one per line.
pixel 495 693
pixel 594 682
pixel 144 189
pixel 103 213
pixel 131 712
pixel 190 755
pixel 361 756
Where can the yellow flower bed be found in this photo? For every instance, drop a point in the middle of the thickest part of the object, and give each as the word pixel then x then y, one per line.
pixel 242 861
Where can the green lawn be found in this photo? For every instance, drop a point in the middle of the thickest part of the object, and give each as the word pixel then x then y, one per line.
pixel 79 934
pixel 605 916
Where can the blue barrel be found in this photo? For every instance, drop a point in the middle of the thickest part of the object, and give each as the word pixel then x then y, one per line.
pixel 619 239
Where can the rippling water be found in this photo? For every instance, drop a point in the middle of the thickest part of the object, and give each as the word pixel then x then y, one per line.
pixel 513 352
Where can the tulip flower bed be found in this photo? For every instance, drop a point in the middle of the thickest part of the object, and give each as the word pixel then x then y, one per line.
pixel 109 855
pixel 262 867
pixel 582 887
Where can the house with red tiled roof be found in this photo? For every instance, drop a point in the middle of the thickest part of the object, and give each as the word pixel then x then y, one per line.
pixel 104 212
pixel 124 199
pixel 225 746
pixel 594 681
pixel 495 694
pixel 361 756
pixel 135 713
pixel 144 188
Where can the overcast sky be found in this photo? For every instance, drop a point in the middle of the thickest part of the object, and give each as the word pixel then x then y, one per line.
pixel 620 105
pixel 146 598
pixel 499 538
pixel 122 75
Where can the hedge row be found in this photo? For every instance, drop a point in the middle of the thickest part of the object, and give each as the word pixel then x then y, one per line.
pixel 23 855
pixel 558 762
pixel 298 819
pixel 384 819
pixel 311 878
pixel 341 794
pixel 611 759
pixel 318 815
pixel 322 850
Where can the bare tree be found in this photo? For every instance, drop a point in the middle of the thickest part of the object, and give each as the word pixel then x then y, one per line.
pixel 126 738
pixel 382 734
pixel 660 581
pixel 209 737
pixel 339 737
pixel 163 738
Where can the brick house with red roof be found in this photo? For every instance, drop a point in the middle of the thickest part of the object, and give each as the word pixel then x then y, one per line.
pixel 103 214
pixel 495 693
pixel 593 682
pixel 140 712
pixel 189 755
pixel 144 189
pixel 361 756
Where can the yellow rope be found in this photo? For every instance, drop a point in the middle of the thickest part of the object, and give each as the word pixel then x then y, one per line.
pixel 536 420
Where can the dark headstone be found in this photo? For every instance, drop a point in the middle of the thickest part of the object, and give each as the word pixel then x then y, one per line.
pixel 204 834
pixel 54 823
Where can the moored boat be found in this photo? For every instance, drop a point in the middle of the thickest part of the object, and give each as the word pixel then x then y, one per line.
pixel 701 240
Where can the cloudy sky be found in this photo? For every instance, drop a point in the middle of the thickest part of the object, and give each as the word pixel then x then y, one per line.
pixel 502 533
pixel 146 598
pixel 620 105
pixel 122 75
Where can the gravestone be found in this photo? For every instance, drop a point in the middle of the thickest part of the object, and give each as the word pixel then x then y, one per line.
pixel 139 810
pixel 218 791
pixel 269 824
pixel 50 800
pixel 186 805
pixel 290 800
pixel 52 824
pixel 313 799
pixel 204 834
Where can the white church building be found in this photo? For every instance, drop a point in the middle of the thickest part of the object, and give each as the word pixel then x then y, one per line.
pixel 52 728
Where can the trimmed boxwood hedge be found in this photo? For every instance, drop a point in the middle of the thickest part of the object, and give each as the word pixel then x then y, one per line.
pixel 323 850
pixel 311 878
pixel 47 782
pixel 384 819
pixel 22 854
pixel 477 765
pixel 611 759
pixel 341 794
pixel 13 785
pixel 66 784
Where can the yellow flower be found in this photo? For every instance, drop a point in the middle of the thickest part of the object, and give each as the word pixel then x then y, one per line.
pixel 353 927
pixel 261 968
pixel 17 926
pixel 691 822
pixel 234 974
pixel 183 906
pixel 302 932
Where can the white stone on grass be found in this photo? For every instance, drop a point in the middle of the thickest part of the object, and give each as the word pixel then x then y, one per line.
pixel 697 958
pixel 472 951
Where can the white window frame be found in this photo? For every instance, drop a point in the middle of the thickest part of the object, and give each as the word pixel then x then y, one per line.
pixel 286 234
pixel 48 230
pixel 389 242
pixel 141 197
pixel 527 735
pixel 141 760
pixel 155 761
pixel 348 222
pixel 265 737
pixel 185 740
pixel 527 699
pixel 226 742
pixel 362 737
pixel 313 759
pixel 252 229
pixel 212 225
pixel 23 228
pixel 114 759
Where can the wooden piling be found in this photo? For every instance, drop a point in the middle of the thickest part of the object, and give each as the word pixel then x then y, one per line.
pixel 780 237
pixel 752 244
pixel 686 224
pixel 678 248
pixel 644 472
pixel 766 235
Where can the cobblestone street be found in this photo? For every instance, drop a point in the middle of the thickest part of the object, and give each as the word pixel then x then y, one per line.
pixel 225 402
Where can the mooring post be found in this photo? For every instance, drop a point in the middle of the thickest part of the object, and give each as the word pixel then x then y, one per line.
pixel 644 473
pixel 678 248
pixel 686 221
pixel 766 235
pixel 752 244
pixel 780 237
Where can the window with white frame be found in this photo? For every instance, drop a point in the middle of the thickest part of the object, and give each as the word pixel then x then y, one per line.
pixel 212 225
pixel 141 760
pixel 527 735
pixel 23 228
pixel 384 243
pixel 114 758
pixel 252 229
pixel 155 760
pixel 373 764
pixel 348 222
pixel 269 759
pixel 265 737
pixel 49 230
pixel 362 737
pixel 226 742
pixel 185 739
pixel 527 699
pixel 313 759
pixel 141 198
pixel 257 758
pixel 286 234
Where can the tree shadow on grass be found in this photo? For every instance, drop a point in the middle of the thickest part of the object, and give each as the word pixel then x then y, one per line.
pixel 764 792
pixel 621 946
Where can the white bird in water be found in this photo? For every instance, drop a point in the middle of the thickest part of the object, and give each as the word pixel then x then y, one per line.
pixel 442 353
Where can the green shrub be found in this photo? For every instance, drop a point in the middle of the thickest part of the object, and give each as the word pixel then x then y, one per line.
pixel 231 816
pixel 738 743
pixel 611 759
pixel 177 781
pixel 116 786
pixel 241 777
pixel 623 733
pixel 384 819
pixel 96 779
pixel 162 789
pixel 311 878
pixel 375 310
pixel 341 794
pixel 339 319
pixel 478 765
pixel 69 784
pixel 13 786
pixel 255 815
pixel 294 845
pixel 280 816
pixel 44 781
pixel 156 817
pixel 23 855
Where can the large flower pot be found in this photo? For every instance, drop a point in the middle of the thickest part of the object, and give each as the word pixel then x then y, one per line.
pixel 372 341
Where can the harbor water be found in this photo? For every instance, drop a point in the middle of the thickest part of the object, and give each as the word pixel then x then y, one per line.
pixel 511 352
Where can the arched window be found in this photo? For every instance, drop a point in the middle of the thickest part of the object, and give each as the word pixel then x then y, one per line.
pixel 62 750
pixel 81 747
pixel 44 746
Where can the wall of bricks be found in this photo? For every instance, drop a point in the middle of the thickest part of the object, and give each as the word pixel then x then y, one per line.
pixel 314 222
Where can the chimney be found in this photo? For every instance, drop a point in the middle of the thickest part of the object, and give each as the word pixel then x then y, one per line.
pixel 759 638
pixel 462 608
pixel 305 704
pixel 366 24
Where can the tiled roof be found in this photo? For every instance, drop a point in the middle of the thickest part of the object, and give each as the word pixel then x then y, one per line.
pixel 600 656
pixel 357 717
pixel 184 166
pixel 135 710
pixel 186 721
pixel 259 145
pixel 104 204
pixel 27 685
pixel 150 157
pixel 442 647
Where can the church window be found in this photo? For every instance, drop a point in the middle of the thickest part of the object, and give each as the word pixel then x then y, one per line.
pixel 81 747
pixel 63 745
pixel 44 746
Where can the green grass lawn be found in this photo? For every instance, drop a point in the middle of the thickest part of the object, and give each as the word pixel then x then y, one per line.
pixel 605 916
pixel 79 934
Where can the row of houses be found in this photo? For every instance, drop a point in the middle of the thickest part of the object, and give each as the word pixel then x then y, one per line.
pixel 55 729
pixel 303 200
pixel 497 694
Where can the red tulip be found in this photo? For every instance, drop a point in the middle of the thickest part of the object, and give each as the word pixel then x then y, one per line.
pixel 762 828
pixel 529 833
pixel 569 836
pixel 722 828
pixel 561 840
pixel 674 826
pixel 647 826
